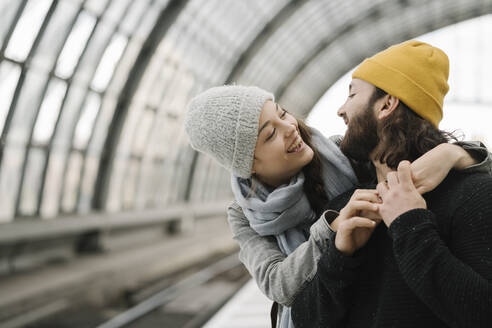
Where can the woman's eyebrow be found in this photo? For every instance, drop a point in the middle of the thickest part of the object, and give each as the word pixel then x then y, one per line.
pixel 266 123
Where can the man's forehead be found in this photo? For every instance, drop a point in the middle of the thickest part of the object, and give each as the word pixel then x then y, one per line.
pixel 361 85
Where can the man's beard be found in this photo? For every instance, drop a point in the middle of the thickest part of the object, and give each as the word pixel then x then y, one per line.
pixel 361 136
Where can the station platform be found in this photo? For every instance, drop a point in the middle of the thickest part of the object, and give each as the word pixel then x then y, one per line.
pixel 249 308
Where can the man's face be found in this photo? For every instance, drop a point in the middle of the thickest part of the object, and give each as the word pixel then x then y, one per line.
pixel 358 112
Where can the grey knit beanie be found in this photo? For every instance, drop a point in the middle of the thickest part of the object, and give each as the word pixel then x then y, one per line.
pixel 223 122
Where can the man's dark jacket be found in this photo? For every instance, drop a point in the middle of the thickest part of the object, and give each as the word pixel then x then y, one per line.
pixel 431 268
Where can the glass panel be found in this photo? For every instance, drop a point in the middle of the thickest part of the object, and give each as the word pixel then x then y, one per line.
pixel 32 182
pixel 196 177
pixel 96 143
pixel 9 76
pixel 158 87
pixel 53 37
pixel 187 154
pixel 133 16
pixel 116 10
pixel 163 190
pixel 75 44
pixel 224 191
pixel 157 184
pixel 29 100
pixel 26 29
pixel 9 9
pixel 108 62
pixel 69 115
pixel 72 180
pixel 89 177
pixel 174 186
pixel 128 193
pixel 125 65
pixel 49 111
pixel 158 138
pixel 217 181
pixel 156 176
pixel 184 167
pixel 113 203
pixel 93 53
pixel 53 185
pixel 144 185
pixel 178 91
pixel 10 175
pixel 199 178
pixel 96 6
pixel 204 186
pixel 85 124
pixel 144 129
pixel 129 127
pixel 151 78
pixel 150 18
pixel 209 189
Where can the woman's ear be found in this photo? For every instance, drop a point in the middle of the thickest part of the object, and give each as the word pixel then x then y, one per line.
pixel 389 104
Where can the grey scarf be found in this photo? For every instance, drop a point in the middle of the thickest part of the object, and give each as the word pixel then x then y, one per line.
pixel 285 212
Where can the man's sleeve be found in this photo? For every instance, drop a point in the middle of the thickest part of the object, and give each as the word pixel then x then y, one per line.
pixel 454 280
pixel 479 152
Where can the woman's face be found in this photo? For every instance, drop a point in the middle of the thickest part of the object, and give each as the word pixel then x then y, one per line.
pixel 280 152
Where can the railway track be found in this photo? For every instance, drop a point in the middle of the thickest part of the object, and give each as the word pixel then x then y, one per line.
pixel 185 300
pixel 174 282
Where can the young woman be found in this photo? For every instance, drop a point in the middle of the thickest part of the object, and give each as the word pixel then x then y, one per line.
pixel 283 175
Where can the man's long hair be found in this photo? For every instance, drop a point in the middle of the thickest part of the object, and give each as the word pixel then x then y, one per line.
pixel 404 135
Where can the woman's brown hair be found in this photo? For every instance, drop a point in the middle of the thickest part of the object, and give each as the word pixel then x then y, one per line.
pixel 313 183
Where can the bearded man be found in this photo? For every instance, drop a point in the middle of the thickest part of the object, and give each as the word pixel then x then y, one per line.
pixel 396 258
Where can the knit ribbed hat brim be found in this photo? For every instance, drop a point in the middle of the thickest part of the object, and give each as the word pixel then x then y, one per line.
pixel 223 122
pixel 414 72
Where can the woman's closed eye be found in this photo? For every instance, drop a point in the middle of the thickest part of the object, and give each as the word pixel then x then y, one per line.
pixel 274 129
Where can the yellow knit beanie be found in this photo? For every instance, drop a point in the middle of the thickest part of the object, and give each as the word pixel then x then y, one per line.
pixel 414 72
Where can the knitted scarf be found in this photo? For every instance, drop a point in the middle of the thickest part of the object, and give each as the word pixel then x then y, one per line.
pixel 285 211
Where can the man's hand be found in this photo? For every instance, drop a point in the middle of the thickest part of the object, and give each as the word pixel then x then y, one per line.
pixel 399 194
pixel 353 230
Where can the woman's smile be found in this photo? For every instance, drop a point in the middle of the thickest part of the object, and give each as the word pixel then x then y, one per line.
pixel 296 147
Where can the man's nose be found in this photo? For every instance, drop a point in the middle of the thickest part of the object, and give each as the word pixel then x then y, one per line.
pixel 341 111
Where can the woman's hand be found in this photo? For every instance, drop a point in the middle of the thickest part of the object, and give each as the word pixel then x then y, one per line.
pixel 429 170
pixel 399 194
pixel 353 230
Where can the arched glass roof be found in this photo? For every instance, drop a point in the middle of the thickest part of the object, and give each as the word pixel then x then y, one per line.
pixel 92 93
